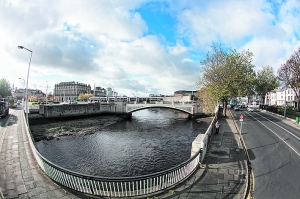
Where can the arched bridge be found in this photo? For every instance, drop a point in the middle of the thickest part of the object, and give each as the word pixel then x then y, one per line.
pixel 119 107
pixel 189 108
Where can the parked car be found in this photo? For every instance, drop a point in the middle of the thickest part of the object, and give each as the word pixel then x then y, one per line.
pixel 236 108
pixel 250 109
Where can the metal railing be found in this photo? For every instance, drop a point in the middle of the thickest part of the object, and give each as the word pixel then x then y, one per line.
pixel 116 187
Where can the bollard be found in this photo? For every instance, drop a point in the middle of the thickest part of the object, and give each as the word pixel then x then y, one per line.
pixel 297 120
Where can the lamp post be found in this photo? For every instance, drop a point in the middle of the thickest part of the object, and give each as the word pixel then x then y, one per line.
pixel 94 91
pixel 27 110
pixel 23 92
pixel 284 113
pixel 46 93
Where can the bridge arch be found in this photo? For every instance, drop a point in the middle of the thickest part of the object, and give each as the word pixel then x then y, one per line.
pixel 164 107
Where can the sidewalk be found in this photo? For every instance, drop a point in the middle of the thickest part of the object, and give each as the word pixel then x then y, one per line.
pixel 223 173
pixel 19 173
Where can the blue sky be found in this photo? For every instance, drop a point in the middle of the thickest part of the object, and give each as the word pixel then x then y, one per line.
pixel 151 47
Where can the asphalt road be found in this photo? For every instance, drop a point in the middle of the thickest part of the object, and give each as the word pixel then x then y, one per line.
pixel 274 150
pixel 3 121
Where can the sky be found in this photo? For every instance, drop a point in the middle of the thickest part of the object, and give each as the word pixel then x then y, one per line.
pixel 138 47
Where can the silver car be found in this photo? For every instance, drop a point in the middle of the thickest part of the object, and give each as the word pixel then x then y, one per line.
pixel 251 109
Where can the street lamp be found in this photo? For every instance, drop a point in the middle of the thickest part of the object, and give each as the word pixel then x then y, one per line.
pixel 27 110
pixel 94 91
pixel 23 92
pixel 284 112
pixel 46 93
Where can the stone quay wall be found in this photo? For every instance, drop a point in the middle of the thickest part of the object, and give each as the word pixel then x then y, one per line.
pixel 71 110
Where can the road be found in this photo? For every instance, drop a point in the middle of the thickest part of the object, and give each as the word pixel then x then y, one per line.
pixel 274 150
pixel 3 121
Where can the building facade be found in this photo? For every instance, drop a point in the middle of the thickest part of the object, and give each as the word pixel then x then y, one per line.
pixel 184 93
pixel 99 92
pixel 192 94
pixel 280 96
pixel 33 94
pixel 69 91
pixel 111 93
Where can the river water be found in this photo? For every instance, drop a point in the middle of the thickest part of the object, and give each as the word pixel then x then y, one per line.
pixel 154 140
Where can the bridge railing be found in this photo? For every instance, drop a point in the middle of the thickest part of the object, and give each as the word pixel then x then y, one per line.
pixel 116 187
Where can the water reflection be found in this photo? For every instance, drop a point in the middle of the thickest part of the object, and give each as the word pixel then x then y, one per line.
pixel 154 140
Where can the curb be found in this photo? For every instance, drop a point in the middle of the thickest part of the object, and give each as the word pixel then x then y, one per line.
pixel 250 174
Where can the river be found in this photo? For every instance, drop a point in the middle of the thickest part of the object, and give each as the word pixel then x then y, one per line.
pixel 153 140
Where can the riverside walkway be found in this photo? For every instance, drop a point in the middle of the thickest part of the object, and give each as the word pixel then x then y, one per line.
pixel 222 174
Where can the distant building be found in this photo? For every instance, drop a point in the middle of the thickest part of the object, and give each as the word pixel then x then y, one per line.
pixel 99 92
pixel 111 93
pixel 193 95
pixel 69 91
pixel 33 94
pixel 184 93
pixel 285 95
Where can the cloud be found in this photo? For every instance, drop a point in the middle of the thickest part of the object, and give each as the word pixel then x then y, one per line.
pixel 110 44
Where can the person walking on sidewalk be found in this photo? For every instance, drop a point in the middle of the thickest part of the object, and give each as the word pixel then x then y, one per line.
pixel 217 126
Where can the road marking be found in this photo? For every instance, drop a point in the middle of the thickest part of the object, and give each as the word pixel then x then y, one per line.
pixel 277 134
pixel 280 127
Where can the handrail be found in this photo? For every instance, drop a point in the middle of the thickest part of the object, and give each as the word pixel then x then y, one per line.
pixel 113 186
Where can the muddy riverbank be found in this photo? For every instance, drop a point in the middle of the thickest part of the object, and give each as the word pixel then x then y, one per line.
pixel 75 127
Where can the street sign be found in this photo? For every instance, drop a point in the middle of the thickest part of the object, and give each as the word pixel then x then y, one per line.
pixel 241 118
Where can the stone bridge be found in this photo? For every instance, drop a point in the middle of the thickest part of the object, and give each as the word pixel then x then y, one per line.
pixel 189 108
pixel 70 110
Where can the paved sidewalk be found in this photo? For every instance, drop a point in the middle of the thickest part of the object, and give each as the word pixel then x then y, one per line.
pixel 223 173
pixel 19 173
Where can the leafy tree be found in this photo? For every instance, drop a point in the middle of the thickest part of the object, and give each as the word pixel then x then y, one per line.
pixel 290 74
pixel 83 96
pixel 5 89
pixel 227 74
pixel 265 81
pixel 207 101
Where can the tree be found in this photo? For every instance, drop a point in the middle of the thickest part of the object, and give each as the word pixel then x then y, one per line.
pixel 289 73
pixel 207 101
pixel 84 96
pixel 227 74
pixel 5 89
pixel 265 81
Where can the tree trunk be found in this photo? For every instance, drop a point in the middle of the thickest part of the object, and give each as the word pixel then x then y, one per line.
pixel 224 108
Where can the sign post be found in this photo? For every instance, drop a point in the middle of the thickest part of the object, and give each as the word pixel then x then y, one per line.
pixel 241 120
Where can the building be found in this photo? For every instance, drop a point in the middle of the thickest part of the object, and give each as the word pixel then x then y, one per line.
pixel 99 92
pixel 184 93
pixel 192 95
pixel 111 93
pixel 281 95
pixel 33 94
pixel 69 91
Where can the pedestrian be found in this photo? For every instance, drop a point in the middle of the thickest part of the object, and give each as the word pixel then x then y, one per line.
pixel 217 126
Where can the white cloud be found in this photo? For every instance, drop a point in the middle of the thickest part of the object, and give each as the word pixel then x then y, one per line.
pixel 107 41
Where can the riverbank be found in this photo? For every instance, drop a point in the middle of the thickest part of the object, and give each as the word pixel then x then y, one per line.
pixel 72 127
